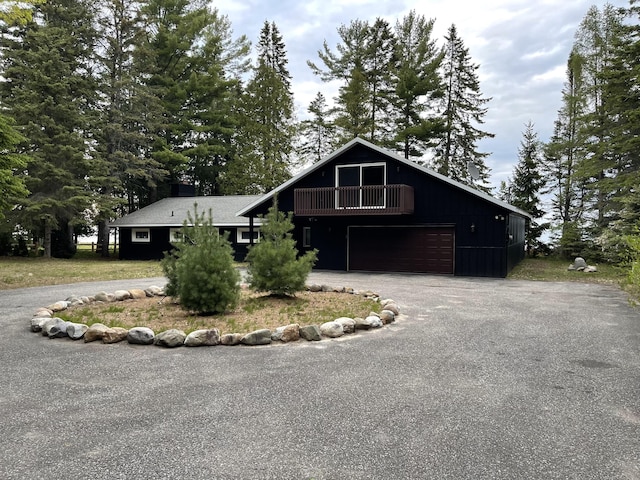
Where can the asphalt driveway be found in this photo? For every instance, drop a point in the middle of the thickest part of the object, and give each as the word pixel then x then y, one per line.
pixel 483 379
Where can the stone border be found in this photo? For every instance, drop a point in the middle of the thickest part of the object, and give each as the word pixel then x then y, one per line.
pixel 45 322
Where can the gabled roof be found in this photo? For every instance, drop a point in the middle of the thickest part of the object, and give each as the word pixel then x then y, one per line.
pixel 172 212
pixel 359 141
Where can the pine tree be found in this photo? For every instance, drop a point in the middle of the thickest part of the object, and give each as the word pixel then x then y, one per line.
pixel 527 184
pixel 416 85
pixel 51 104
pixel 361 64
pixel 200 268
pixel 317 131
pixel 464 109
pixel 11 166
pixel 563 154
pixel 269 128
pixel 274 264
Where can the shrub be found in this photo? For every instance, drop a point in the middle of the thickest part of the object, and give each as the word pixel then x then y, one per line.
pixel 200 268
pixel 274 265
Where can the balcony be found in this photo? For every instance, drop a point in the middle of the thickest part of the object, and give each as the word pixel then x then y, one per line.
pixel 358 200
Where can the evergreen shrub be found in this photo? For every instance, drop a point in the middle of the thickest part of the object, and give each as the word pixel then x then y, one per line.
pixel 200 268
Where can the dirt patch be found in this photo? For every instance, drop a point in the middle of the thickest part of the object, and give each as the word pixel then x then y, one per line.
pixel 254 311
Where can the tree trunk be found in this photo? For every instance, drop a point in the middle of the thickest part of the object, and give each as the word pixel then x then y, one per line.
pixel 47 240
pixel 103 237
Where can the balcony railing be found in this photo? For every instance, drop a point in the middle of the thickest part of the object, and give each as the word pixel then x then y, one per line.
pixel 367 200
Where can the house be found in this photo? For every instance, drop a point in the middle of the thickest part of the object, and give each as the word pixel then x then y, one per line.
pixel 367 209
pixel 147 233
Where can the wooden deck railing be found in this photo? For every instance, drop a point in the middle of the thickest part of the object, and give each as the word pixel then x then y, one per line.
pixel 367 200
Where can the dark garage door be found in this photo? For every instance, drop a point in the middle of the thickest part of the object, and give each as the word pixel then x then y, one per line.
pixel 401 249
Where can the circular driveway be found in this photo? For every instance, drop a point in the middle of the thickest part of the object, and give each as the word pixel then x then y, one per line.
pixel 483 379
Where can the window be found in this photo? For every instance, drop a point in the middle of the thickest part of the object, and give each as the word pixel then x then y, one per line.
pixel 361 186
pixel 140 235
pixel 244 235
pixel 306 237
pixel 175 235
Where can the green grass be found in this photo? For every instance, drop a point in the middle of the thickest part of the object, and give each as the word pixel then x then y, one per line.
pixel 550 269
pixel 19 272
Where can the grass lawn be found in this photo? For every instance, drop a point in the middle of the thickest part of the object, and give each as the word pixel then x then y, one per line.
pixel 555 270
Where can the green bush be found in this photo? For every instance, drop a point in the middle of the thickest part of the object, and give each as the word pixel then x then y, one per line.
pixel 200 268
pixel 633 242
pixel 274 265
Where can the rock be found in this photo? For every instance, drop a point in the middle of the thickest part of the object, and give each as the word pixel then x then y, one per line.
pixel 102 297
pixel 122 295
pixel 170 338
pixel 590 269
pixel 230 339
pixel 348 324
pixel 387 316
pixel 315 288
pixel 310 333
pixel 74 301
pixel 372 321
pixel 76 331
pixel 114 335
pixel 140 336
pixel 287 333
pixel 393 307
pixel 137 293
pixel 386 301
pixel 258 337
pixel 349 290
pixel 36 323
pixel 202 338
pixel 154 291
pixel 579 263
pixel 86 299
pixel 43 313
pixel 58 306
pixel 58 330
pixel 326 288
pixel 94 332
pixel 331 329
pixel 48 324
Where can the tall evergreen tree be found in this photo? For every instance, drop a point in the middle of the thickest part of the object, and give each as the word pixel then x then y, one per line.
pixel 563 154
pixel 416 85
pixel 268 130
pixel 12 165
pixel 527 184
pixel 594 44
pixel 51 105
pixel 317 131
pixel 464 111
pixel 361 64
pixel 169 58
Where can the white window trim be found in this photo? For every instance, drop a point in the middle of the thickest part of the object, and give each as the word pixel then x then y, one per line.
pixel 361 166
pixel 240 231
pixel 136 239
pixel 175 235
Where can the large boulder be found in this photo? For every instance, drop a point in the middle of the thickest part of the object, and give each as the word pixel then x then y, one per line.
pixel 37 322
pixel 170 338
pixel 287 333
pixel 387 316
pixel 114 335
pixel 203 338
pixel 76 331
pixel 58 330
pixel 392 307
pixel 348 324
pixel 154 291
pixel 49 324
pixel 331 329
pixel 310 333
pixel 58 306
pixel 259 337
pixel 101 297
pixel 137 293
pixel 95 332
pixel 122 295
pixel 230 339
pixel 140 336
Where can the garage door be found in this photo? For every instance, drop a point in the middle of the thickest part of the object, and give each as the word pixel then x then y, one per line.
pixel 401 249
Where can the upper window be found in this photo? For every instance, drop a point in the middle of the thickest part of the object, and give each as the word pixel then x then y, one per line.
pixel 140 235
pixel 361 186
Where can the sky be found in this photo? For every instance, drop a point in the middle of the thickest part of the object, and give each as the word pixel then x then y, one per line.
pixel 521 48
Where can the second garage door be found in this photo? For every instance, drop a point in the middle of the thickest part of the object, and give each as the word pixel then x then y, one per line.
pixel 401 249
